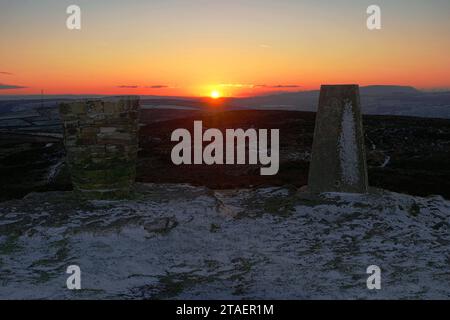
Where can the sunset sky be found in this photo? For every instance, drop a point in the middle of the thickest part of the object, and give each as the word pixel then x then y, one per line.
pixel 233 47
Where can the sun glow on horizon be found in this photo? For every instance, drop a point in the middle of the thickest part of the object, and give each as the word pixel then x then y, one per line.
pixel 215 94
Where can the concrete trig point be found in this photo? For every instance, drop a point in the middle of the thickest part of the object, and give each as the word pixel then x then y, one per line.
pixel 338 162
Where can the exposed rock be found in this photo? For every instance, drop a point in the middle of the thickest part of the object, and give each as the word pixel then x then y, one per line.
pixel 161 225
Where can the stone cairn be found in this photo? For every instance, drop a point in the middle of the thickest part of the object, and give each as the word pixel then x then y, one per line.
pixel 101 141
pixel 338 161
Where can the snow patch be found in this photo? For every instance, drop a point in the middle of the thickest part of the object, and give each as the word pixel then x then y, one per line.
pixel 348 146
pixel 53 171
pixel 277 247
pixel 387 159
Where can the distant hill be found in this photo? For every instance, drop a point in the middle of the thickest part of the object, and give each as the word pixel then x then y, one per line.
pixel 388 90
pixel 380 99
pixel 307 100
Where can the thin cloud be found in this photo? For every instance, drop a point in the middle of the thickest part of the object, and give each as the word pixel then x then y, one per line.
pixel 158 86
pixel 9 87
pixel 127 87
pixel 266 86
pixel 237 85
pixel 280 86
pixel 6 73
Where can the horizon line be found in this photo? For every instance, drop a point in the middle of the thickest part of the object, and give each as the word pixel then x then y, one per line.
pixel 424 90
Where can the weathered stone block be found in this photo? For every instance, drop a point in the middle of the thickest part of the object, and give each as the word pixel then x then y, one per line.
pixel 95 107
pixel 338 162
pixel 78 108
pixel 108 130
pixel 90 131
pixel 101 145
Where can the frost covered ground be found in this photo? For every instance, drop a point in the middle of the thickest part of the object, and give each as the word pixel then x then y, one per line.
pixel 179 241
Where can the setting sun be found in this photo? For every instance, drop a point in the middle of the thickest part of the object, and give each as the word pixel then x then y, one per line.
pixel 215 94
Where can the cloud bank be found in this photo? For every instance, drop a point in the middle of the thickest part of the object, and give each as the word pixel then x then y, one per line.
pixel 9 87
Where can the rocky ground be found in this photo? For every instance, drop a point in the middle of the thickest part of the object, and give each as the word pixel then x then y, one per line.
pixel 178 241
